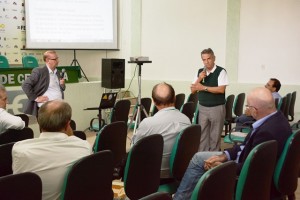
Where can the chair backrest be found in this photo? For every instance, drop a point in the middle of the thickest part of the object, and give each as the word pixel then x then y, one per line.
pixel 193 97
pixel 229 107
pixel 146 102
pixel 288 103
pixel 283 104
pixel 80 134
pixel 157 196
pixel 154 110
pixel 217 183
pixel 120 111
pixel 13 135
pixel 112 137
pixel 288 165
pixel 6 159
pixel 185 146
pixel 142 170
pixel 180 98
pixel 257 172
pixel 29 61
pixel 278 102
pixel 25 186
pixel 188 109
pixel 3 62
pixel 73 124
pixel 90 178
pixel 292 106
pixel 238 106
pixel 25 118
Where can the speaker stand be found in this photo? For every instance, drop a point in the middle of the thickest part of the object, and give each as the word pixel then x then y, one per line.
pixel 76 63
pixel 140 107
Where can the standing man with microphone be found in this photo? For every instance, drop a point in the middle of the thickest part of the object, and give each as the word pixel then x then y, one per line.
pixel 44 84
pixel 210 84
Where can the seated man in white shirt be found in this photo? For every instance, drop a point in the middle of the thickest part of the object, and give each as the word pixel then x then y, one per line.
pixel 53 152
pixel 168 122
pixel 7 120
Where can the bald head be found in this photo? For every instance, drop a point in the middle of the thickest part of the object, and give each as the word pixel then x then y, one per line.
pixel 261 102
pixel 163 95
pixel 54 116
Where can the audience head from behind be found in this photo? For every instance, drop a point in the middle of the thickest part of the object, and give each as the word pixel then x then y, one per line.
pixel 55 116
pixel 52 153
pixel 163 95
pixel 3 97
pixel 260 103
pixel 273 85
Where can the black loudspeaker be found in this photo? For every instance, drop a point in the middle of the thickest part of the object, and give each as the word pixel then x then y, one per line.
pixel 113 73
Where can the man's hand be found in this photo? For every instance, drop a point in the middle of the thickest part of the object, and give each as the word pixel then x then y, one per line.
pixel 62 81
pixel 214 161
pixel 197 87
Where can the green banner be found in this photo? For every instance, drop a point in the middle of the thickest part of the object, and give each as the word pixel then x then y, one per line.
pixel 16 75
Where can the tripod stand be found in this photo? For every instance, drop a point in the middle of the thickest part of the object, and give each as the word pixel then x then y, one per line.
pixel 75 63
pixel 137 113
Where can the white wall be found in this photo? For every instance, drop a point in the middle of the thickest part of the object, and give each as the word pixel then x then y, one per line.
pixel 172 33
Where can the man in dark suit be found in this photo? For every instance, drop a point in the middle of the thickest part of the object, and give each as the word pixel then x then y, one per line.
pixel 44 84
pixel 270 125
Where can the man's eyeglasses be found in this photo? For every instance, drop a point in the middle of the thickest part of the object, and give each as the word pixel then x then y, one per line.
pixel 53 58
pixel 248 106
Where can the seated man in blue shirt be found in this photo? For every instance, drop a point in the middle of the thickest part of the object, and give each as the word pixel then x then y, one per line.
pixel 270 125
pixel 274 86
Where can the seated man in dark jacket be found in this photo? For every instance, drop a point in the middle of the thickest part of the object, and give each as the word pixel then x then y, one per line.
pixel 269 125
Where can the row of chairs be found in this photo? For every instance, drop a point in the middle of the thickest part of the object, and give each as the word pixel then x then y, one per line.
pixel 28 61
pixel 258 172
pixel 120 111
pixel 287 105
pixel 237 134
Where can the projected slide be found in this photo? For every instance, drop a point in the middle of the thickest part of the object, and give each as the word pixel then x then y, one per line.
pixel 71 24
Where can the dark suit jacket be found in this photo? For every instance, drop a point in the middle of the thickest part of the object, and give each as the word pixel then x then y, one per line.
pixel 275 128
pixel 36 85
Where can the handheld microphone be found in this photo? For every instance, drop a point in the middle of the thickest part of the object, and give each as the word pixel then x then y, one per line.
pixel 63 71
pixel 204 70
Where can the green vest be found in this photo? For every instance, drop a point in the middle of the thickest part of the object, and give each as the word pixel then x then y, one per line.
pixel 208 99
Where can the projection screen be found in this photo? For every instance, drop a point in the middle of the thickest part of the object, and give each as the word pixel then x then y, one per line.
pixel 71 24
